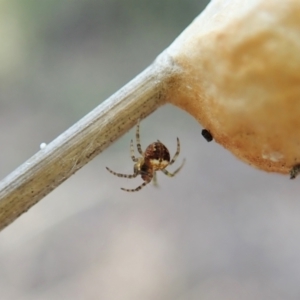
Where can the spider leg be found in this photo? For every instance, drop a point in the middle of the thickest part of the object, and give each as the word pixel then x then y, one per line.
pixel 121 175
pixel 139 187
pixel 177 153
pixel 166 172
pixel 132 152
pixel 155 179
pixel 137 135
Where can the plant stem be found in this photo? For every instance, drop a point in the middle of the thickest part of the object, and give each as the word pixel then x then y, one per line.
pixel 70 151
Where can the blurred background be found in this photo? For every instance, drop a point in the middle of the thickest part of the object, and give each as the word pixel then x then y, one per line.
pixel 218 230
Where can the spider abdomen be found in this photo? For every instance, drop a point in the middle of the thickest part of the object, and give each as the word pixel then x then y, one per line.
pixel 158 155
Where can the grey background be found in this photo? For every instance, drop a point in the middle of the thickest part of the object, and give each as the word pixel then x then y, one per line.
pixel 218 230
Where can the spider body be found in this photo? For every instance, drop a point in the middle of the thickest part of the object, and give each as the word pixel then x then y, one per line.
pixel 155 158
pixel 157 155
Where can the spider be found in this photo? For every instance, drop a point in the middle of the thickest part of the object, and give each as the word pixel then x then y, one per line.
pixel 155 158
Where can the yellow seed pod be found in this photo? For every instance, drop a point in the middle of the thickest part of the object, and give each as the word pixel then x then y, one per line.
pixel 239 77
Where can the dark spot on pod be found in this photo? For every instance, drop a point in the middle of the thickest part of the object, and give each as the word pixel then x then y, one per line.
pixel 207 135
pixel 295 171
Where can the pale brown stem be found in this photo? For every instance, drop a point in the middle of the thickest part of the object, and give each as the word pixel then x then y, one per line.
pixel 52 165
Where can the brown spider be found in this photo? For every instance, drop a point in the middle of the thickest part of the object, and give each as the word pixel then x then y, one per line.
pixel 155 158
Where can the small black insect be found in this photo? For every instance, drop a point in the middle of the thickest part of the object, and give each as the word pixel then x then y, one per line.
pixel 295 171
pixel 207 135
